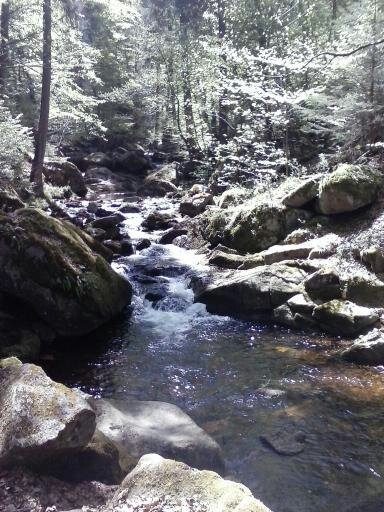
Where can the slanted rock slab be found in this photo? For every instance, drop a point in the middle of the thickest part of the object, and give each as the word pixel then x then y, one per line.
pixel 137 428
pixel 172 485
pixel 303 194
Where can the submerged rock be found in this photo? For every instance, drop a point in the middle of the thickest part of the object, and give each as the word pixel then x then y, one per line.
pixel 368 349
pixel 39 419
pixel 344 318
pixel 349 188
pixel 52 267
pixel 285 440
pixel 137 428
pixel 162 484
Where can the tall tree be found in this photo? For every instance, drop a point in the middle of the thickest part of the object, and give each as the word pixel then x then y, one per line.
pixel 4 45
pixel 42 131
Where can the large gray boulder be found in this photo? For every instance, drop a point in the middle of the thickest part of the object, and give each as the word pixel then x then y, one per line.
pixel 56 270
pixel 257 227
pixel 344 318
pixel 349 188
pixel 161 484
pixel 137 428
pixel 249 292
pixel 368 349
pixel 40 419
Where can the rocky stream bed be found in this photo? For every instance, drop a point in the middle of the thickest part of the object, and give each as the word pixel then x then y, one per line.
pixel 281 408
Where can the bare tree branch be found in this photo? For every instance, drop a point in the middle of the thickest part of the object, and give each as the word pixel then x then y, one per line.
pixel 343 54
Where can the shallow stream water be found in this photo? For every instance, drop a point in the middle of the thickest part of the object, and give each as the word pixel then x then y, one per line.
pixel 241 381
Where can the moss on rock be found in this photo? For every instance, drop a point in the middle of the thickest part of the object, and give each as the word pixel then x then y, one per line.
pixel 349 188
pixel 52 266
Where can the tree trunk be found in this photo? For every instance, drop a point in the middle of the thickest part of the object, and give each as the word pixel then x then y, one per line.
pixel 4 47
pixel 42 132
pixel 223 112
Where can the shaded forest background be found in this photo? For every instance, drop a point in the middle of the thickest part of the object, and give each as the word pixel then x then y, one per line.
pixel 252 87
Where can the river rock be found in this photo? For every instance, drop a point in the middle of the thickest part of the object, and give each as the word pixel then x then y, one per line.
pixel 100 173
pixel 233 197
pixel 52 267
pixel 39 418
pixel 302 304
pixel 365 291
pixel 348 188
pixel 303 194
pixel 298 236
pixel 108 222
pixel 257 228
pixel 135 429
pixel 248 292
pixel 97 159
pixel 131 159
pixel 226 260
pixel 368 349
pixel 325 284
pixel 160 183
pixel 373 257
pixel 286 439
pixel 276 253
pixel 344 318
pixel 161 484
pixel 196 204
pixel 170 235
pixel 9 198
pixel 62 173
pixel 98 461
pixel 156 221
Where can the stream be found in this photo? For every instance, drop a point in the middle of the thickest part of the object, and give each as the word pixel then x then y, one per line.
pixel 239 381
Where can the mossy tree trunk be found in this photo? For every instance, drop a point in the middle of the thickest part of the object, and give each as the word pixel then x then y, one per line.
pixel 42 132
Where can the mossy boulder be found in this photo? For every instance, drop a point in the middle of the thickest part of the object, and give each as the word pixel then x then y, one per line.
pixel 161 484
pixel 56 269
pixel 349 188
pixel 253 228
pixel 39 418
